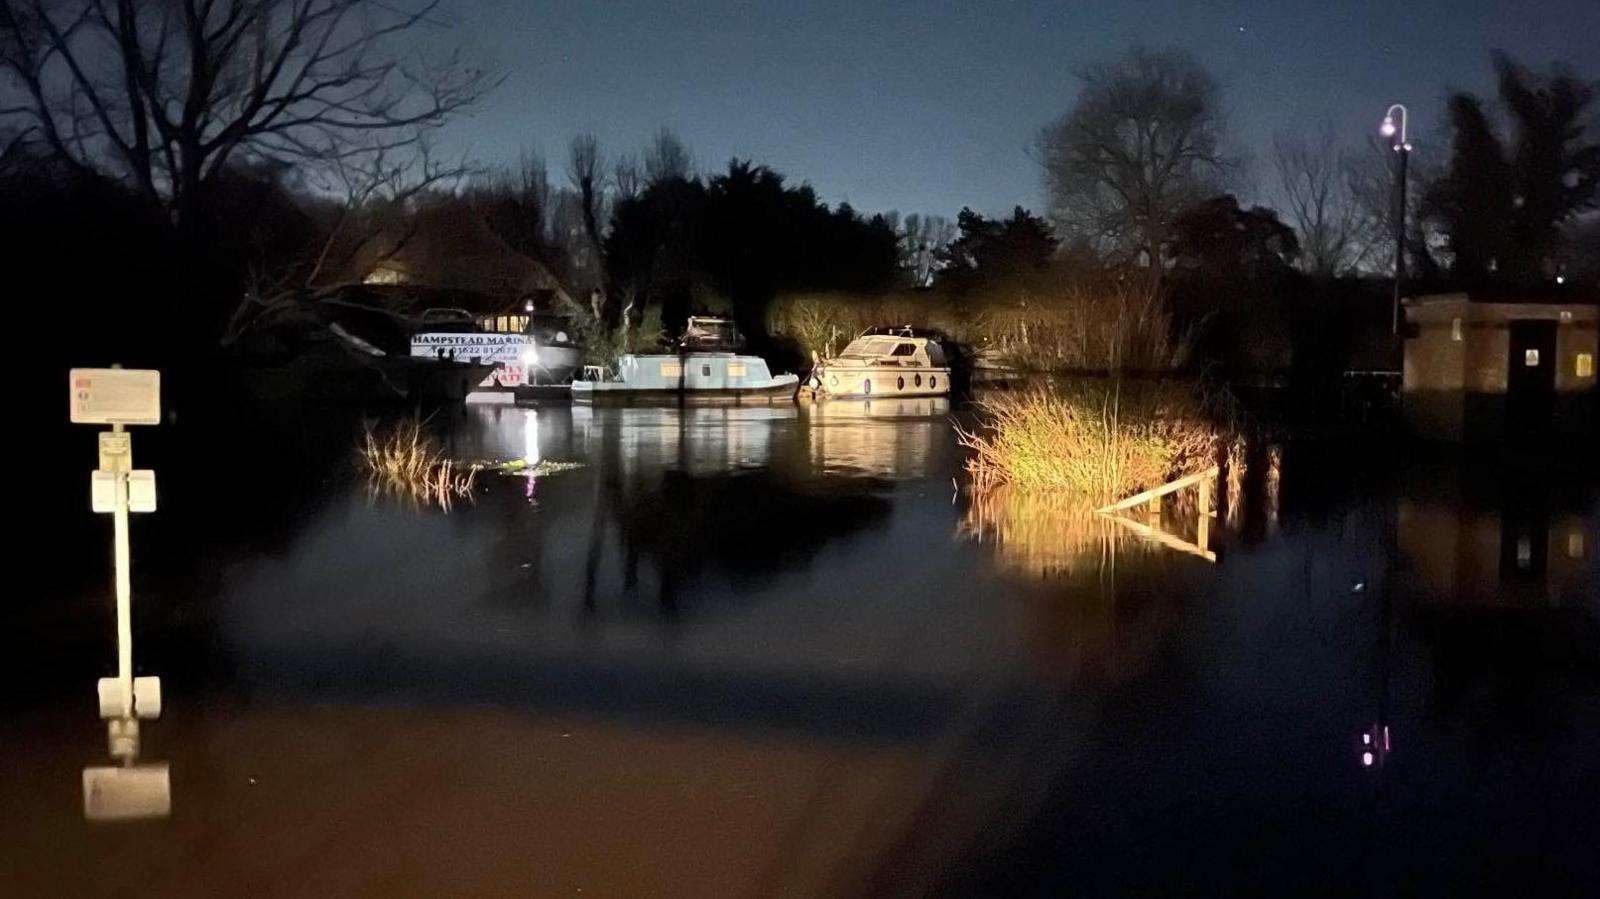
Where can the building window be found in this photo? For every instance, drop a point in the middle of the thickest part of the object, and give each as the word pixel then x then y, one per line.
pixel 1583 367
pixel 1575 544
pixel 1455 329
pixel 1530 358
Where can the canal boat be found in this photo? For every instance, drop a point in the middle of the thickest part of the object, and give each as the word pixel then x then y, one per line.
pixel 707 366
pixel 886 363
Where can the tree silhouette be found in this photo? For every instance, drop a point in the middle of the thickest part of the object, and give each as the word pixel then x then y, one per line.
pixel 1142 144
pixel 1501 204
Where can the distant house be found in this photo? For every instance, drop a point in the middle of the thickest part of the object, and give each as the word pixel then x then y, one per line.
pixel 444 246
pixel 1500 365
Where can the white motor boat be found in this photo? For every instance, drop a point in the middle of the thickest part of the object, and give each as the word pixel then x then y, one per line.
pixel 892 363
pixel 707 367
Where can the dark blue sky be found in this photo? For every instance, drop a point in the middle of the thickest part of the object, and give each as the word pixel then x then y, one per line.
pixel 928 106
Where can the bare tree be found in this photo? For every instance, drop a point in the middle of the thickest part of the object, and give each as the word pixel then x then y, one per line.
pixel 1369 175
pixel 515 203
pixel 1143 143
pixel 1317 193
pixel 168 95
pixel 586 172
pixel 626 181
pixel 371 222
pixel 922 237
pixel 666 157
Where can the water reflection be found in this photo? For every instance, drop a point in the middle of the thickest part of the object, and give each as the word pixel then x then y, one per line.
pixel 733 649
pixel 1503 543
pixel 1043 534
pixel 891 438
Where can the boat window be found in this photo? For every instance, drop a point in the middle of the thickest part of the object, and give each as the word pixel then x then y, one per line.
pixel 705 371
pixel 736 370
pixel 904 349
pixel 869 346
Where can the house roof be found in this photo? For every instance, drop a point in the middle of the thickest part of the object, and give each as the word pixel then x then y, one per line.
pixel 1541 294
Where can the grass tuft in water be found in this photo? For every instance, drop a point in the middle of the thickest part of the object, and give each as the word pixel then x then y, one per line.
pixel 1101 439
pixel 405 460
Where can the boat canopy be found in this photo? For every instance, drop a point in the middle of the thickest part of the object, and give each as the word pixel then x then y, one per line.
pixel 870 347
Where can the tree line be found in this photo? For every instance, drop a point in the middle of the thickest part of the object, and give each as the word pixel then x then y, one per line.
pixel 229 156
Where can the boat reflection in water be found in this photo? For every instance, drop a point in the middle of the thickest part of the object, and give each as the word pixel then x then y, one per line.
pixel 890 438
pixel 693 439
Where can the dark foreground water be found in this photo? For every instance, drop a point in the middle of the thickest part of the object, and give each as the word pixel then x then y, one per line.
pixel 772 651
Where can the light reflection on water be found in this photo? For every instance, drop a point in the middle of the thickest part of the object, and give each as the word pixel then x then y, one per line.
pixel 750 648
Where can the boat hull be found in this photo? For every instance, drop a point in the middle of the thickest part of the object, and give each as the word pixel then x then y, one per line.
pixel 861 382
pixel 688 377
pixel 782 389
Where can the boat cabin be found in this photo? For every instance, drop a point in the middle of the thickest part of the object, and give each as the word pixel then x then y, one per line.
pixel 893 350
pixel 709 334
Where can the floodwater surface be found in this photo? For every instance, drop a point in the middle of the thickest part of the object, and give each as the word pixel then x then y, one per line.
pixel 752 651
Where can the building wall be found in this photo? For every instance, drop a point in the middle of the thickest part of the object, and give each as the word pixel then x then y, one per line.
pixel 1433 373
pixel 1456 386
pixel 1572 340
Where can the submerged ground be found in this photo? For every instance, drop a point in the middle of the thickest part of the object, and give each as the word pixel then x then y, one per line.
pixel 777 650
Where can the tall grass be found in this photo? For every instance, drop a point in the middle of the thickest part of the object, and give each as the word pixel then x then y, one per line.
pixel 1102 439
pixel 1048 322
pixel 404 460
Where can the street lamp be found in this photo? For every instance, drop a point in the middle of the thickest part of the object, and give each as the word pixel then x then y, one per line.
pixel 1401 145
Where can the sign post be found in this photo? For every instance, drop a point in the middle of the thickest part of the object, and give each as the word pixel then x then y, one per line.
pixel 119 397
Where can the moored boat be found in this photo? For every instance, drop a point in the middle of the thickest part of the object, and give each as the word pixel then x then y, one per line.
pixel 889 363
pixel 707 367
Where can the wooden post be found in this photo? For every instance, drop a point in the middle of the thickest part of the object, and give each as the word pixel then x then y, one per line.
pixel 1154 513
pixel 1203 519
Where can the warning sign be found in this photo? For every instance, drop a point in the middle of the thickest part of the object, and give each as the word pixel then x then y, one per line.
pixel 113 396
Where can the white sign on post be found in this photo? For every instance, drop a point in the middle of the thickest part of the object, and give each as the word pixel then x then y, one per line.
pixel 115 396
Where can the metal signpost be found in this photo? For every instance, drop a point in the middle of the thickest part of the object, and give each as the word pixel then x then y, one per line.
pixel 120 397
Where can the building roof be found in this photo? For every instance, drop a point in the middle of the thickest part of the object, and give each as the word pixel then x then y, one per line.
pixel 1541 294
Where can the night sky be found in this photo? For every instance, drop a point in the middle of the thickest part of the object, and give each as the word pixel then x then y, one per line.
pixel 929 106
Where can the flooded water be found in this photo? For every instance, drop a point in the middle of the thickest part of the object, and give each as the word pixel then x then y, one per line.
pixel 752 651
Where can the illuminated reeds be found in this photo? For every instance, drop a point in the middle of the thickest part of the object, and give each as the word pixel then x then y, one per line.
pixel 405 461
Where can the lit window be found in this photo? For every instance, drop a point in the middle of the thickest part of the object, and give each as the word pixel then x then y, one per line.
pixel 1575 545
pixel 1455 329
pixel 1524 552
pixel 671 368
pixel 1584 366
pixel 736 369
pixel 1530 358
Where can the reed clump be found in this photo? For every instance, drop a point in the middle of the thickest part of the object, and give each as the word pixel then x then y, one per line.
pixel 1101 439
pixel 404 460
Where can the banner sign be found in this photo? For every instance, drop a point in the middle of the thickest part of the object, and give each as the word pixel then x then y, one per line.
pixel 484 347
pixel 503 349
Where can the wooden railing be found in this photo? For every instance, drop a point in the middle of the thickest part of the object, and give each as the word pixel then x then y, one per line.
pixel 1150 528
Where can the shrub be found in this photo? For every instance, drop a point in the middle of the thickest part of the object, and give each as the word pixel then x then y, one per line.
pixel 1102 439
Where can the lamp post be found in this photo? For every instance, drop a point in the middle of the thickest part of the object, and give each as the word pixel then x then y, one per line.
pixel 1401 145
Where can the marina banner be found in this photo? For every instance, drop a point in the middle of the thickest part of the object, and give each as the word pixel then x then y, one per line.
pixel 465 346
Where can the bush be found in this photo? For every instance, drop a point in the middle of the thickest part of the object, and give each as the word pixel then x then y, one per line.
pixel 1050 321
pixel 1102 439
